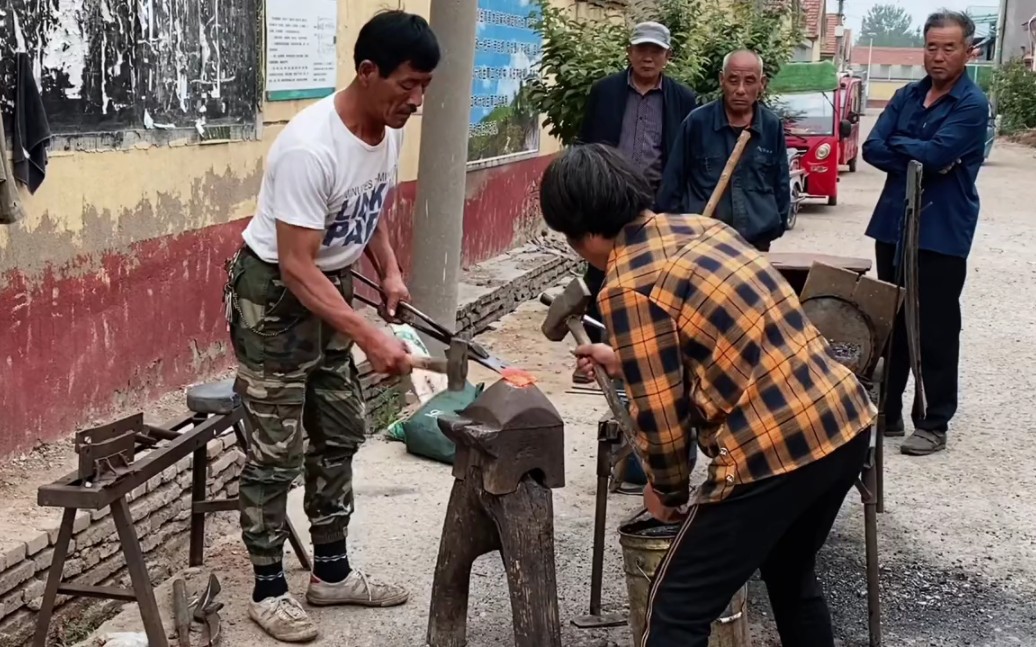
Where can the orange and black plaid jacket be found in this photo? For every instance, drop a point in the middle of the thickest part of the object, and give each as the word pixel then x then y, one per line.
pixel 711 338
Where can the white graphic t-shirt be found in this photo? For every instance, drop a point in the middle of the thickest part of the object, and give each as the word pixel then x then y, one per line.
pixel 321 176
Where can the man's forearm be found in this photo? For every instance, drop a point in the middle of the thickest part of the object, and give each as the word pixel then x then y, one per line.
pixel 381 254
pixel 318 295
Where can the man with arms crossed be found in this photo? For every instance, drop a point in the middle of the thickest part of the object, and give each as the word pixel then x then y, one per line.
pixel 939 121
pixel 328 176
pixel 707 335
pixel 758 199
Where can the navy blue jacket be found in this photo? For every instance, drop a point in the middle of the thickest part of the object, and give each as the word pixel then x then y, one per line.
pixel 758 198
pixel 948 138
pixel 606 106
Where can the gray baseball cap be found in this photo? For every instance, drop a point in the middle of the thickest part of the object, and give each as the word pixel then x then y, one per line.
pixel 651 32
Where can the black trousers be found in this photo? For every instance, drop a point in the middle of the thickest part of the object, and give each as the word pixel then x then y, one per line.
pixel 777 526
pixel 940 283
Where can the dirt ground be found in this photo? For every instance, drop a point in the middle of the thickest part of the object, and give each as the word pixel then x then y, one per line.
pixel 958 540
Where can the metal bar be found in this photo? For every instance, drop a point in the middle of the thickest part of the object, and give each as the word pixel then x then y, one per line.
pixel 298 547
pixel 138 574
pixel 199 472
pixel 870 525
pixel 102 592
pixel 57 566
pixel 600 521
pixel 216 505
pixel 68 491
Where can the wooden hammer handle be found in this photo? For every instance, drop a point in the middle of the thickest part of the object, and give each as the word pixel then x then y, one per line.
pixel 619 410
pixel 728 171
pixel 433 364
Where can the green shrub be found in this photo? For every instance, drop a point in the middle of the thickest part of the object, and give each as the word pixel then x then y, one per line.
pixel 1014 86
pixel 576 53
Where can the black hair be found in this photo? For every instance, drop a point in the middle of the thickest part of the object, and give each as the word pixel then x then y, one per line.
pixel 947 18
pixel 394 37
pixel 593 189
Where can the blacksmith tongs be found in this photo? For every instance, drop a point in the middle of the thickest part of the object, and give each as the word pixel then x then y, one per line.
pixel 421 322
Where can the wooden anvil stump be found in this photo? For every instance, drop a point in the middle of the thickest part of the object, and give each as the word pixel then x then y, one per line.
pixel 510 453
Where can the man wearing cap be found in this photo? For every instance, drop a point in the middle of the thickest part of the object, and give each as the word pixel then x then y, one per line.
pixel 758 199
pixel 639 111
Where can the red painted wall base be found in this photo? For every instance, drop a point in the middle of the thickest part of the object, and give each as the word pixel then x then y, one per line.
pixel 100 335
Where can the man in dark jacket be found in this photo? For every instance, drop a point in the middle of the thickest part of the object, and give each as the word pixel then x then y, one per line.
pixel 758 199
pixel 638 111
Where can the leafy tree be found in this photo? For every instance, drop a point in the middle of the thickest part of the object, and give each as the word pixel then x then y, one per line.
pixel 576 53
pixel 1014 85
pixel 890 26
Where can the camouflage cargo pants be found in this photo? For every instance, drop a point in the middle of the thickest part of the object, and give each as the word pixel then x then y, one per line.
pixel 296 376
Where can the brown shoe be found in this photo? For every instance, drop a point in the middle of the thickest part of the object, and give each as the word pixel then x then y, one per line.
pixel 924 442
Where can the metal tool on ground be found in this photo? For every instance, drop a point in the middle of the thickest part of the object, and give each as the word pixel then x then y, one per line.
pixel 510 453
pixel 728 172
pixel 547 300
pixel 206 611
pixel 454 365
pixel 423 323
pixel 181 613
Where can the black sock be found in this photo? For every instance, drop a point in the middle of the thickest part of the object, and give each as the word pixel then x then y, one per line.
pixel 330 562
pixel 269 582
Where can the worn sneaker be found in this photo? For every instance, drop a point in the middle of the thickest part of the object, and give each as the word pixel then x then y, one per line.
pixel 356 589
pixel 283 618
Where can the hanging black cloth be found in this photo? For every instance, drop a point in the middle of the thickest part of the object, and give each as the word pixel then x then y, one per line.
pixel 31 132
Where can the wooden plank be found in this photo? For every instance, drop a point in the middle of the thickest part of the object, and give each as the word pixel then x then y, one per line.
pixel 796 261
pixel 208 507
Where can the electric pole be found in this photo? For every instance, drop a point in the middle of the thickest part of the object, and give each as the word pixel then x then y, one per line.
pixel 438 226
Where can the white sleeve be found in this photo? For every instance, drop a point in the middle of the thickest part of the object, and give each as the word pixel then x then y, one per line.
pixel 300 189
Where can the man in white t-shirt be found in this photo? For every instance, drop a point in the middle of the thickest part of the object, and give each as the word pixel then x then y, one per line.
pixel 329 176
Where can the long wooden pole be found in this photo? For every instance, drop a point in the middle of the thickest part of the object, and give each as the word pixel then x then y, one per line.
pixel 728 171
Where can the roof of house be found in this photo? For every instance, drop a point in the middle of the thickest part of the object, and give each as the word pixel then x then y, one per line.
pixel 813 10
pixel 864 53
pixel 830 41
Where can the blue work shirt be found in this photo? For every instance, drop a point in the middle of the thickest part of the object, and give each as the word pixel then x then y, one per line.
pixel 950 134
pixel 758 198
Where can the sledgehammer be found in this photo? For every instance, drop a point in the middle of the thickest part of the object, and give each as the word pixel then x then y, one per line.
pixel 566 315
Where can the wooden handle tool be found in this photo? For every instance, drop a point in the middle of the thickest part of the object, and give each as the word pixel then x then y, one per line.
pixel 728 171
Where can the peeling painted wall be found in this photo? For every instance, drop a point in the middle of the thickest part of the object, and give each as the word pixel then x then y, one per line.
pixel 110 64
pixel 110 288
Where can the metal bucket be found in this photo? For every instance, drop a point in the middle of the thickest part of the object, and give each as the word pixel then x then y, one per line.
pixel 644 546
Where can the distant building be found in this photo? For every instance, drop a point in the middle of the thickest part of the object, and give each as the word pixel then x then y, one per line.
pixel 886 69
pixel 814 16
pixel 838 41
pixel 1019 26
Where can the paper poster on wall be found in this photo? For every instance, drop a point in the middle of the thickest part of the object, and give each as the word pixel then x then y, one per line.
pixel 507 49
pixel 301 57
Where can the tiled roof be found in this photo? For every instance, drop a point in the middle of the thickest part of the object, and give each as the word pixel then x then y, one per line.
pixel 813 10
pixel 830 41
pixel 887 55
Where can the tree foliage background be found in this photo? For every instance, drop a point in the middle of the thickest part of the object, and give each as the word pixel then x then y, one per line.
pixel 1015 87
pixel 890 26
pixel 576 52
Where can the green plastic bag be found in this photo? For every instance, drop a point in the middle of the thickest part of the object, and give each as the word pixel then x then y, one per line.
pixel 421 431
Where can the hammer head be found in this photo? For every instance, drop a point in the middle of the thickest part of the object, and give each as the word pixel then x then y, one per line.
pixel 570 303
pixel 457 365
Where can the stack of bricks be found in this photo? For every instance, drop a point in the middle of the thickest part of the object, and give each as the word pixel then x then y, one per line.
pixel 161 514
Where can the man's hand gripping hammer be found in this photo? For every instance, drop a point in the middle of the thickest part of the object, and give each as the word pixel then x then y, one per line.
pixel 565 315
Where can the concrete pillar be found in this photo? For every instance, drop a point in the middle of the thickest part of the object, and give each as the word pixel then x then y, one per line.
pixel 439 210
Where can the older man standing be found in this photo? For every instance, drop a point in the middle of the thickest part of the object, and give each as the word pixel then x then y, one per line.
pixel 758 200
pixel 939 121
pixel 639 111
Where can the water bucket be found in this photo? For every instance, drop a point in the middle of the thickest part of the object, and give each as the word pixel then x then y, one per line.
pixel 644 546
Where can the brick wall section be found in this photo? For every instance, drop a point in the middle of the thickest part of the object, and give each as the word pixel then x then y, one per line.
pixel 161 507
